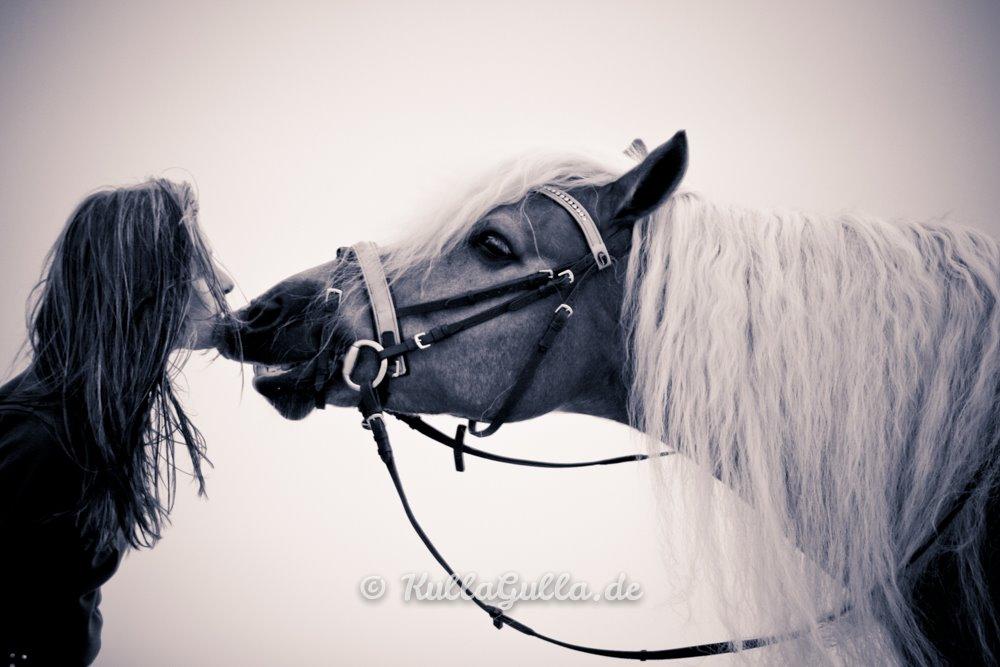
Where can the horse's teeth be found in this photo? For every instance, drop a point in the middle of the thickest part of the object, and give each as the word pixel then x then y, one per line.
pixel 266 369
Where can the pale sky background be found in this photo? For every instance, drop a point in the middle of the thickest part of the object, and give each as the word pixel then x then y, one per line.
pixel 307 126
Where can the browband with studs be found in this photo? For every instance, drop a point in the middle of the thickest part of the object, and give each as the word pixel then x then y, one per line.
pixel 585 222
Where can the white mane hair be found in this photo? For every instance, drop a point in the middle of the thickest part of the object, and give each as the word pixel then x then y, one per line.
pixel 507 184
pixel 840 374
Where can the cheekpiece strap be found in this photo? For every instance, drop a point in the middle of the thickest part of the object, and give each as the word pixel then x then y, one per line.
pixel 382 307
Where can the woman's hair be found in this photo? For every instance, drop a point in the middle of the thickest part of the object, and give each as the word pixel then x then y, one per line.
pixel 111 309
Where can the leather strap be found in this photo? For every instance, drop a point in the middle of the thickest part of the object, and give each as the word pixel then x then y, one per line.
pixel 382 307
pixel 371 412
pixel 459 448
pixel 587 225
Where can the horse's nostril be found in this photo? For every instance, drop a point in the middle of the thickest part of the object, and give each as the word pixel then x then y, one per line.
pixel 263 314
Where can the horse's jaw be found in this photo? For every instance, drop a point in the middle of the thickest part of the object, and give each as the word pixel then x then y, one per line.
pixel 284 389
pixel 290 390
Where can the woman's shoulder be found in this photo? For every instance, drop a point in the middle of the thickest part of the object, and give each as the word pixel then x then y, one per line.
pixel 26 430
pixel 26 418
pixel 34 459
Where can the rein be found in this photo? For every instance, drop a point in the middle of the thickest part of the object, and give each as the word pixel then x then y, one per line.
pixel 390 350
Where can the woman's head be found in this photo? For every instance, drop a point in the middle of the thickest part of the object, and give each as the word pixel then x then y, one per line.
pixel 129 281
pixel 132 267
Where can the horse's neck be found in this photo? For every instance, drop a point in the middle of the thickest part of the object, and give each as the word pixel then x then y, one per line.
pixel 609 400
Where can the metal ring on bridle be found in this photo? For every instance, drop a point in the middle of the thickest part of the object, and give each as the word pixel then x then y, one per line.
pixel 351 358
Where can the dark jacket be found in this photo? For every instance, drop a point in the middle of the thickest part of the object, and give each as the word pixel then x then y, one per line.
pixel 51 570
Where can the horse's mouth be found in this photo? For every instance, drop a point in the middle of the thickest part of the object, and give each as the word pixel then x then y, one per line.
pixel 291 388
pixel 276 371
pixel 286 387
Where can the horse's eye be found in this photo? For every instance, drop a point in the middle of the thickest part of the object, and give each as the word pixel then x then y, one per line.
pixel 492 245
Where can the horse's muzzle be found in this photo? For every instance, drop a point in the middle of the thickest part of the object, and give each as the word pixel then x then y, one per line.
pixel 282 326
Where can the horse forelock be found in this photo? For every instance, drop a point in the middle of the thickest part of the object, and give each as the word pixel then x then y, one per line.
pixel 840 374
pixel 508 183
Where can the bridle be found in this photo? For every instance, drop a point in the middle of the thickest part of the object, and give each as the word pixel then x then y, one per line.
pixel 391 347
pixel 390 351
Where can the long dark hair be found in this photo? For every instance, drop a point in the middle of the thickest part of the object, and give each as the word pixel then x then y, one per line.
pixel 111 310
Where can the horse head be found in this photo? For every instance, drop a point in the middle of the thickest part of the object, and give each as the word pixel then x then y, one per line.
pixel 301 328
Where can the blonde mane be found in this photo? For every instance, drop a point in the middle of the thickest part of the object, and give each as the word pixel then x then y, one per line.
pixel 839 374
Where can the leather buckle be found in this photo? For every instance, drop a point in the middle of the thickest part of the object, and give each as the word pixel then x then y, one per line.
pixel 418 340
pixel 568 308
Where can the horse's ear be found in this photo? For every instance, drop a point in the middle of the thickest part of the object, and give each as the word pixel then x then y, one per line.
pixel 646 186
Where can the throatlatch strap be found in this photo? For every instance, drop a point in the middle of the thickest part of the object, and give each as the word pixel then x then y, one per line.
pixel 585 222
pixel 527 374
pixel 380 298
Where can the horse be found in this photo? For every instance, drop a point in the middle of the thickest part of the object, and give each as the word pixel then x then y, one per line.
pixel 838 373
